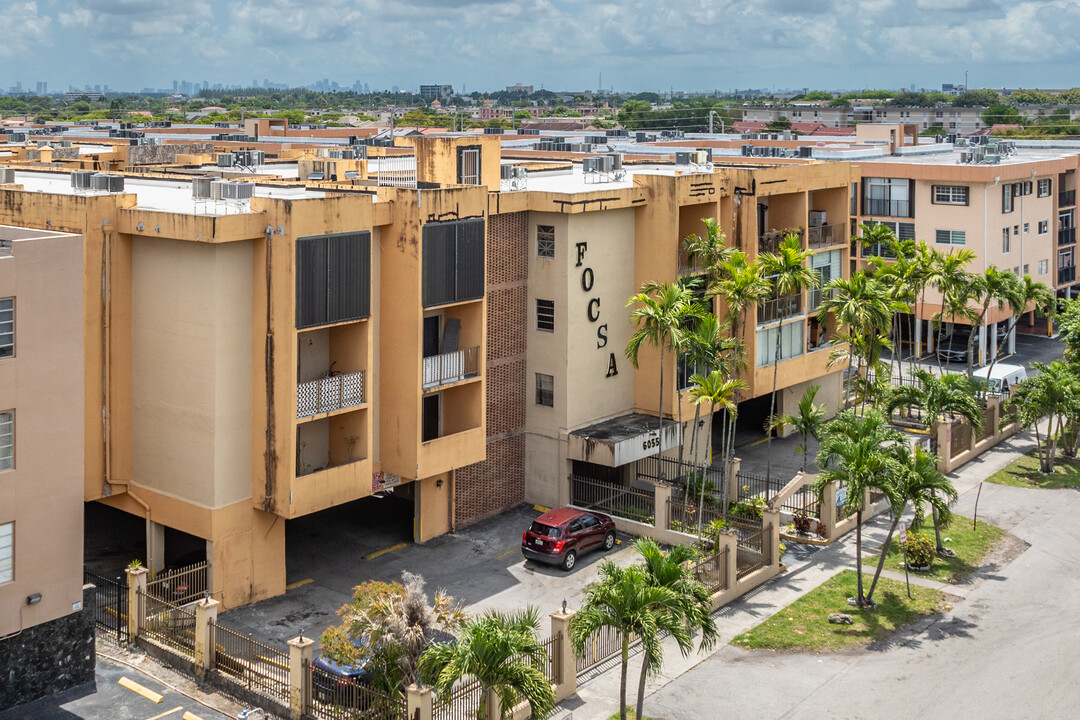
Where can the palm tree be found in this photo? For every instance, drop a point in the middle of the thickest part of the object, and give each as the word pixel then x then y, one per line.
pixel 710 348
pixel 854 452
pixel 714 389
pixel 897 276
pixel 808 421
pixel 672 570
pixel 625 602
pixel 947 274
pixel 711 250
pixel 789 275
pixel 659 315
pixel 919 482
pixel 1019 297
pixel 501 652
pixel 990 286
pixel 1051 393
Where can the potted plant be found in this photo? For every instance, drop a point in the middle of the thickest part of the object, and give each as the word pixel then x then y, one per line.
pixel 920 552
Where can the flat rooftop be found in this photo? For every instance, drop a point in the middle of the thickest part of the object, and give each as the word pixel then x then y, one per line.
pixel 950 155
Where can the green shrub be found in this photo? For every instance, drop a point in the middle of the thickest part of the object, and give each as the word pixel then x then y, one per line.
pixel 920 550
pixel 750 508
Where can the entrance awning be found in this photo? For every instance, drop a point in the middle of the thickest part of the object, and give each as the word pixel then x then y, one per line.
pixel 622 440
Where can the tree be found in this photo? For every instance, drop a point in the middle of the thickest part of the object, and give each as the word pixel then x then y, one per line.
pixel 709 348
pixel 502 653
pixel 624 601
pixel 993 285
pixel 1069 327
pixel 1020 297
pixel 672 570
pixel 787 272
pixel 388 627
pixel 1001 114
pixel 1052 394
pixel 716 390
pixel 659 315
pixel 950 278
pixel 977 98
pixel 712 250
pixel 918 482
pixel 901 276
pixel 781 123
pixel 1031 97
pixel 855 453
pixel 808 421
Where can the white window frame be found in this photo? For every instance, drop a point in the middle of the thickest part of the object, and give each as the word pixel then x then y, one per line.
pixel 7 327
pixel 1044 266
pixel 7 440
pixel 1044 227
pixel 545 241
pixel 1006 241
pixel 950 195
pixel 543 317
pixel 7 552
pixel 1044 187
pixel 955 237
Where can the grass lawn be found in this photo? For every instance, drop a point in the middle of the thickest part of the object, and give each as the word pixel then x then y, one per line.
pixel 804 625
pixel 1024 472
pixel 970 546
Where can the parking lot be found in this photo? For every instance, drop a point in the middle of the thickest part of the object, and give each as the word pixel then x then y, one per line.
pixel 481 567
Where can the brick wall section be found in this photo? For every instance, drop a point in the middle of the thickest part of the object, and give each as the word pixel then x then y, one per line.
pixel 488 487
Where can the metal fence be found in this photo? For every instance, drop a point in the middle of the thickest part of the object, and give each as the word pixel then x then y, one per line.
pixel 463 703
pixel 334 697
pixel 251 664
pixel 804 501
pixel 553 658
pixel 711 571
pixel 110 607
pixel 777 308
pixel 683 516
pixel 625 502
pixel 825 235
pixel 329 393
pixel 167 625
pixel 605 644
pixel 396 171
pixel 451 367
pixel 758 486
pixel 754 552
pixel 959 437
pixel 665 469
pixel 181 586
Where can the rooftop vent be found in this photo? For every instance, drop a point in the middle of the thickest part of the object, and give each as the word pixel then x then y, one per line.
pixel 80 179
pixel 7 176
pixel 200 188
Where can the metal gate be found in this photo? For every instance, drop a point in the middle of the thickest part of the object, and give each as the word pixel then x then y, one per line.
pixel 110 608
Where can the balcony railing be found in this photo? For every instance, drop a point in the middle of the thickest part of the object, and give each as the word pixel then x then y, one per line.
pixel 816 296
pixel 770 242
pixel 878 207
pixel 1066 275
pixel 1066 198
pixel 825 235
pixel 329 393
pixel 1066 236
pixel 451 367
pixel 778 308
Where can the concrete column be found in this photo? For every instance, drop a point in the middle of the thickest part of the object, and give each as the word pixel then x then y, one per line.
pixel 828 509
pixel 419 702
pixel 206 611
pixel 492 706
pixel 772 517
pixel 982 345
pixel 136 587
pixel 993 340
pixel 300 651
pixel 732 574
pixel 155 546
pixel 1012 340
pixel 732 478
pixel 918 337
pixel 566 683
pixel 660 509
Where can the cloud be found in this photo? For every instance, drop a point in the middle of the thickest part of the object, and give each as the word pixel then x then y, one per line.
pixel 24 29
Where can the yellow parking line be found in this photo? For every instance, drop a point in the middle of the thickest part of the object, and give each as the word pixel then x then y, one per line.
pixel 176 709
pixel 385 550
pixel 758 442
pixel 298 583
pixel 139 689
pixel 190 716
pixel 506 553
pixel 541 509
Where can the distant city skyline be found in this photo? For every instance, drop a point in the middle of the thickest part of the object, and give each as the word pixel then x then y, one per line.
pixel 638 45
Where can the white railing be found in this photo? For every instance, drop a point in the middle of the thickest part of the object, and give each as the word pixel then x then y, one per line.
pixel 451 367
pixel 397 171
pixel 329 393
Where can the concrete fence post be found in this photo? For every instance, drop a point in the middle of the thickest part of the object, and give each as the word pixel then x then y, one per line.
pixel 731 475
pixel 206 611
pixel 136 605
pixel 828 510
pixel 731 574
pixel 772 519
pixel 300 652
pixel 566 683
pixel 660 505
pixel 492 706
pixel 419 702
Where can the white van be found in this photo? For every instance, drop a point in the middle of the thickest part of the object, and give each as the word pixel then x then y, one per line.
pixel 1003 378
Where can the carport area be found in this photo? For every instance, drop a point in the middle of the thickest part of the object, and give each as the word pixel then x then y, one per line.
pixel 113 538
pixel 481 567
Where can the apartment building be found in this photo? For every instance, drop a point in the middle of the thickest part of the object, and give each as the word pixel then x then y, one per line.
pixel 953 119
pixel 46 638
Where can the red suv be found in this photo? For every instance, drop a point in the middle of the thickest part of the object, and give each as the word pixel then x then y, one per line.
pixel 558 536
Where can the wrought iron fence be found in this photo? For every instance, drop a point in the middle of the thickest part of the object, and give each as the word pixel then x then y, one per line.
pixel 397 171
pixel 754 551
pixel 605 644
pixel 463 703
pixel 181 586
pixel 167 625
pixel 553 658
pixel 755 486
pixel 665 469
pixel 110 607
pixel 625 502
pixel 711 571
pixel 334 697
pixel 683 516
pixel 251 664
pixel 451 367
pixel 329 393
pixel 804 501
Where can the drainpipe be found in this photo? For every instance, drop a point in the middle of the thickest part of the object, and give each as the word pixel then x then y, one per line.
pixel 271 458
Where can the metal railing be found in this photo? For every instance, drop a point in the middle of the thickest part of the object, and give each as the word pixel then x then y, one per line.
pixel 712 571
pixel 625 502
pixel 451 367
pixel 604 644
pixel 825 235
pixel 683 515
pixel 879 207
pixel 804 501
pixel 329 393
pixel 816 296
pixel 777 308
pixel 334 697
pixel 181 586
pixel 754 552
pixel 167 625
pixel 754 486
pixel 251 664
pixel 668 469
pixel 1066 275
pixel 1066 198
pixel 396 171
pixel 463 703
pixel 1066 236
pixel 110 604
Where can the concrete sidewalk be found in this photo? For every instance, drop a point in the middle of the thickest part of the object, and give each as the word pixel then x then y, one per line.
pixel 598 691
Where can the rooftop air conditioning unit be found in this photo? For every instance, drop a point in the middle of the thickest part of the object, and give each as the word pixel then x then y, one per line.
pixel 216 192
pixel 506 172
pixel 604 163
pixel 698 157
pixel 351 174
pixel 225 160
pixel 682 158
pixel 616 161
pixel 80 179
pixel 806 151
pixel 588 165
pixel 992 159
pixel 7 176
pixel 238 191
pixel 200 188
pixel 108 183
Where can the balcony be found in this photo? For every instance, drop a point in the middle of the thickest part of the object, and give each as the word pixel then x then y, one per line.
pixel 451 367
pixel 1066 236
pixel 779 308
pixel 825 235
pixel 1066 198
pixel 1066 275
pixel 770 242
pixel 878 207
pixel 816 296
pixel 329 394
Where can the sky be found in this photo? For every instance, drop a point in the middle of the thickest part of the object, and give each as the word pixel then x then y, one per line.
pixel 489 44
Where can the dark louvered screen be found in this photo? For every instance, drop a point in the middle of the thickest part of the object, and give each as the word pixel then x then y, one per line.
pixel 440 263
pixel 470 260
pixel 333 278
pixel 310 281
